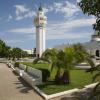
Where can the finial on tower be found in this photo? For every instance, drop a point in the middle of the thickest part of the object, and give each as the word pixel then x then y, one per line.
pixel 40 8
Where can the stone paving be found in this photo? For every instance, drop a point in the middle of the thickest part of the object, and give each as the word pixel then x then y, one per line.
pixel 14 88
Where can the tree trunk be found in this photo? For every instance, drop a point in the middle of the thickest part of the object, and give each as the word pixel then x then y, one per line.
pixel 66 77
pixel 58 78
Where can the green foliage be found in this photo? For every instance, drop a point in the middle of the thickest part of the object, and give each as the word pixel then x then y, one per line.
pixel 24 54
pixel 3 49
pixel 45 74
pixel 79 53
pixel 38 65
pixel 63 59
pixel 79 78
pixel 96 91
pixel 16 53
pixel 92 7
pixel 16 64
pixel 6 51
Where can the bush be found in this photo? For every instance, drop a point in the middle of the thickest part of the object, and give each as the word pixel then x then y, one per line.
pixel 26 68
pixel 16 64
pixel 45 74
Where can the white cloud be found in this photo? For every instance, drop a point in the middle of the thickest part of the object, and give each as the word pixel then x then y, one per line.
pixel 80 23
pixel 67 8
pixel 67 35
pixel 14 41
pixel 48 9
pixel 62 30
pixel 69 25
pixel 22 30
pixel 9 17
pixel 59 30
pixel 20 9
pixel 78 0
pixel 21 12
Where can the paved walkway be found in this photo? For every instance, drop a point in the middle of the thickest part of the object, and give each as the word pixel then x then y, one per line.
pixel 14 88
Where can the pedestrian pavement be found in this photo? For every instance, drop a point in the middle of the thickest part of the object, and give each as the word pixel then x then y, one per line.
pixel 12 87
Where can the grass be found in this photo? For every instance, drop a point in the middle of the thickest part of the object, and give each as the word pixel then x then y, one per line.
pixel 79 78
pixel 38 66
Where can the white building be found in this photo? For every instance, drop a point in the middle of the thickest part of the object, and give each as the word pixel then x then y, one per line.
pixel 92 47
pixel 40 22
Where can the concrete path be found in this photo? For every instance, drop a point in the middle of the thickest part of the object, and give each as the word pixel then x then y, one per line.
pixel 12 87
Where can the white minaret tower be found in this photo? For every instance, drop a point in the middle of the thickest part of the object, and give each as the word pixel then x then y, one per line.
pixel 40 23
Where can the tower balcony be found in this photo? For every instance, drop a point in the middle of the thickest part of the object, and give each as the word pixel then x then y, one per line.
pixel 95 36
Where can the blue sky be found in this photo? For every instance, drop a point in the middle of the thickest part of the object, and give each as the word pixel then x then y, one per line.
pixel 66 22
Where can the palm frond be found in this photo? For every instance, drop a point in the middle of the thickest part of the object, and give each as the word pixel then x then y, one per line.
pixel 96 75
pixel 40 59
pixel 53 65
pixel 36 60
pixel 90 62
pixel 98 67
pixel 95 92
pixel 95 68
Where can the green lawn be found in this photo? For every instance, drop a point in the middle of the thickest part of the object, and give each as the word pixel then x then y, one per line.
pixel 79 78
pixel 38 66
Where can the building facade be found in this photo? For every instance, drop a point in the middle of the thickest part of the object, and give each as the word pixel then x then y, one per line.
pixel 40 22
pixel 92 47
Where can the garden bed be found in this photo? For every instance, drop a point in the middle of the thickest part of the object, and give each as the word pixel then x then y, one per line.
pixel 79 78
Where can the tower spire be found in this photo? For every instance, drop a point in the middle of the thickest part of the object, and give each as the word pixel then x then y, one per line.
pixel 40 7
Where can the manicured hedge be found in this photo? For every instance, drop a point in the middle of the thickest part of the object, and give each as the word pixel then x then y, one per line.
pixel 45 74
pixel 16 64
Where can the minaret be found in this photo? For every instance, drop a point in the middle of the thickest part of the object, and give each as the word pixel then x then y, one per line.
pixel 40 23
pixel 96 36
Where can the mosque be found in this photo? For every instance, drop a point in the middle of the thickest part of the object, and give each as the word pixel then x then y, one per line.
pixel 40 21
pixel 92 47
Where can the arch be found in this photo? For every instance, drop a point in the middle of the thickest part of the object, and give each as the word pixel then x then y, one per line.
pixel 97 53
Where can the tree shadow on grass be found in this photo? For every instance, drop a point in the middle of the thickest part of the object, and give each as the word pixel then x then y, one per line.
pixel 46 84
pixel 23 86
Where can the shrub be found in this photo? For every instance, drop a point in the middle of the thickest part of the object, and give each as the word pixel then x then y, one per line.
pixel 16 64
pixel 26 68
pixel 45 74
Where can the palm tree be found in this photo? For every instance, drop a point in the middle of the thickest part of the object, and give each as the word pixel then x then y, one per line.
pixel 64 59
pixel 96 91
pixel 68 63
pixel 16 53
pixel 80 53
pixel 61 60
pixel 49 56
